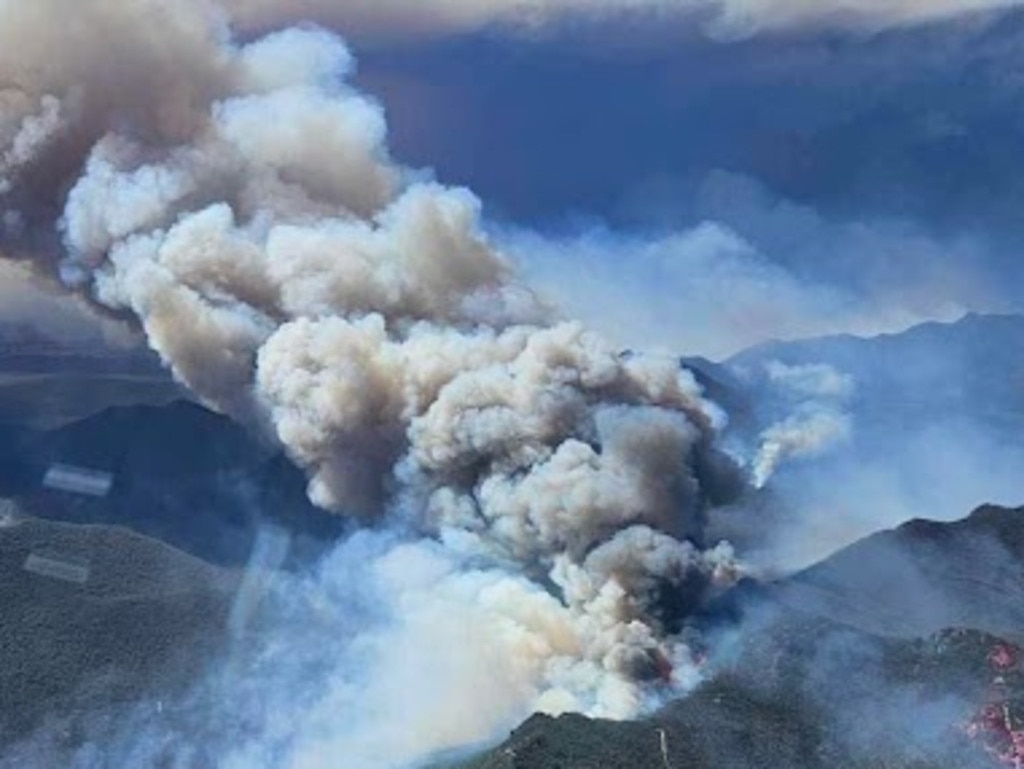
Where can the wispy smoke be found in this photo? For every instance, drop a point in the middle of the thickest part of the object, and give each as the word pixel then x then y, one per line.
pixel 532 492
pixel 704 290
pixel 801 435
pixel 30 305
pixel 755 268
pixel 745 17
pixel 817 396
pixel 239 202
pixel 926 421
pixel 732 18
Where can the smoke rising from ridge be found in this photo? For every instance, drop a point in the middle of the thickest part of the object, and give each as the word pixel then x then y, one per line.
pixel 541 488
pixel 816 420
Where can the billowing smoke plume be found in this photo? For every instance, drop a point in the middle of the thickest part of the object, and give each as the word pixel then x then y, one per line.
pixel 239 202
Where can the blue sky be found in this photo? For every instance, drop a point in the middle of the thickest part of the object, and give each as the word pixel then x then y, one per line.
pixel 881 169
pixel 914 121
pixel 694 175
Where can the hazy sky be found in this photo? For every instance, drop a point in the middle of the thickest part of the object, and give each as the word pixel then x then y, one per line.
pixel 917 120
pixel 874 173
pixel 701 175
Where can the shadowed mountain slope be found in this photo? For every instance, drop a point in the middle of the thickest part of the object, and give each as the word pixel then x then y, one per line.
pixel 97 615
pixel 840 665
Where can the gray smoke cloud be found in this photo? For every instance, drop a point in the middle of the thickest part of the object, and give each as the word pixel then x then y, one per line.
pixel 730 18
pixel 753 268
pixel 239 202
pixel 31 305
pixel 531 489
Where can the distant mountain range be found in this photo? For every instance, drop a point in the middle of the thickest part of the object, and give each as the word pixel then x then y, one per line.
pixel 934 417
pixel 974 366
pixel 850 662
pixel 901 649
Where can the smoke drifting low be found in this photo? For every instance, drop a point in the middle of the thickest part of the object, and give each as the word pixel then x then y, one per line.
pixel 754 268
pixel 524 494
pixel 538 489
pixel 29 304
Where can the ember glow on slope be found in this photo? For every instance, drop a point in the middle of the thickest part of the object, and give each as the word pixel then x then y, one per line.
pixel 529 488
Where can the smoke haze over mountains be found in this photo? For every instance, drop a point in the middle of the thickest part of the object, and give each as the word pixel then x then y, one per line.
pixel 524 489
pixel 540 487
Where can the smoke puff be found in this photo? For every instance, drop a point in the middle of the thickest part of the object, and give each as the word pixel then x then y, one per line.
pixel 31 135
pixel 294 57
pixel 804 434
pixel 63 91
pixel 814 399
pixel 423 260
pixel 341 167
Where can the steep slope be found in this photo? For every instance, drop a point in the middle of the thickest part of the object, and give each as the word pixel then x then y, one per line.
pixel 912 708
pixel 94 616
pixel 823 669
pixel 178 472
pixel 922 577
pixel 45 383
pixel 926 422
pixel 905 363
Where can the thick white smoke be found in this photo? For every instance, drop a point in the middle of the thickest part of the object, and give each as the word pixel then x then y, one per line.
pixel 240 203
